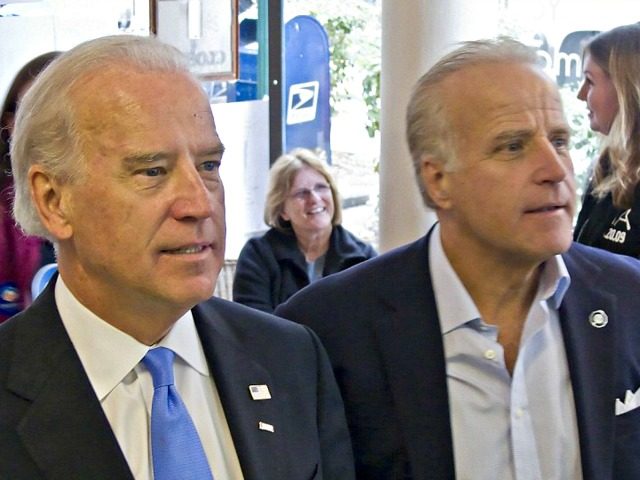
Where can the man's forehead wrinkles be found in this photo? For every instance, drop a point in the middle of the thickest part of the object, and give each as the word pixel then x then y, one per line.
pixel 522 115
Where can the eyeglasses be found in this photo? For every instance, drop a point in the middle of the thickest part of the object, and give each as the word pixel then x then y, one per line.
pixel 303 194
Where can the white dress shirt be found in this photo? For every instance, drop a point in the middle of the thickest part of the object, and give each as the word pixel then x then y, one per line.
pixel 124 387
pixel 520 427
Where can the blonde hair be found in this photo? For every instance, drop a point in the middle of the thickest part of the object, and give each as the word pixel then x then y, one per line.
pixel 617 171
pixel 281 176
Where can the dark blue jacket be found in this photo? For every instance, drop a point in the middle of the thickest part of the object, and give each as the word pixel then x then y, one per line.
pixel 271 268
pixel 379 324
pixel 52 426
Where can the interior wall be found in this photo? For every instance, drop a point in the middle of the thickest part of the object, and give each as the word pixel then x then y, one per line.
pixel 415 33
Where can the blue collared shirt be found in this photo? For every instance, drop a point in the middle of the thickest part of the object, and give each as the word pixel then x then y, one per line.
pixel 508 427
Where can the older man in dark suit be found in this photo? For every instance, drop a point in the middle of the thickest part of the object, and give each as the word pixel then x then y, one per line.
pixel 124 367
pixel 492 348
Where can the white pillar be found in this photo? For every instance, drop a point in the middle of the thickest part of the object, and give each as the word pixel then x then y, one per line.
pixel 415 33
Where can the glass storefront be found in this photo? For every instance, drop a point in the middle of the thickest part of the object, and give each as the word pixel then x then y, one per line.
pixel 349 134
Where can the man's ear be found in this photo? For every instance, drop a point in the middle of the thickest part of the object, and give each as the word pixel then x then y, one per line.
pixel 51 202
pixel 436 180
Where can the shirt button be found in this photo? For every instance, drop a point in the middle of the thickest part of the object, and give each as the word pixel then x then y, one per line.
pixel 519 413
pixel 490 354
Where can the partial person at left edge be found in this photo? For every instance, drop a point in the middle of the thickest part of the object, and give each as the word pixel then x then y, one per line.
pixel 20 255
pixel 125 181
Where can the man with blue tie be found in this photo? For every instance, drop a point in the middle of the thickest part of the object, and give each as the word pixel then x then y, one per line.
pixel 492 348
pixel 125 367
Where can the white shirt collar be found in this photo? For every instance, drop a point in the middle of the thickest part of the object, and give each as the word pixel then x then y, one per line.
pixel 108 354
pixel 455 305
pixel 554 282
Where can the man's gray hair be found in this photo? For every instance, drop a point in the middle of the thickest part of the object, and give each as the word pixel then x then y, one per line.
pixel 428 126
pixel 46 130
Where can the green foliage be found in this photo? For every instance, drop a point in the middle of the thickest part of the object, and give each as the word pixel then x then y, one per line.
pixel 371 97
pixel 354 47
pixel 339 30
pixel 585 145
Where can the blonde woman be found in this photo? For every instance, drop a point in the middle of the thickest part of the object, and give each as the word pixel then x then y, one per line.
pixel 610 214
pixel 305 241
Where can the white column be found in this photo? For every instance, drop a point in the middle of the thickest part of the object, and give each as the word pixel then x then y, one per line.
pixel 415 33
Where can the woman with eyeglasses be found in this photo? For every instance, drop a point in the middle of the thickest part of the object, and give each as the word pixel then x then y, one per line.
pixel 305 241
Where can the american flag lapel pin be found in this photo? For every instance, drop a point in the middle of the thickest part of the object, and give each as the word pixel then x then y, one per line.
pixel 259 392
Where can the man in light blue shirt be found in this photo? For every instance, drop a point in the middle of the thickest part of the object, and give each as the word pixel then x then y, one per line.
pixel 525 418
pixel 492 348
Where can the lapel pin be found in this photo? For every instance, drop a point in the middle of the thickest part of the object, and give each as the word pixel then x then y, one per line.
pixel 598 318
pixel 259 392
pixel 267 427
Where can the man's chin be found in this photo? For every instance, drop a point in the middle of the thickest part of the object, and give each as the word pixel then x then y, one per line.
pixel 189 296
pixel 558 247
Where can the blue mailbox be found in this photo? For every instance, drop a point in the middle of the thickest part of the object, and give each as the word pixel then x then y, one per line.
pixel 306 86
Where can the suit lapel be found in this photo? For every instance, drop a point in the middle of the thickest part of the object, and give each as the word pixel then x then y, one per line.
pixel 260 452
pixel 64 428
pixel 411 344
pixel 591 364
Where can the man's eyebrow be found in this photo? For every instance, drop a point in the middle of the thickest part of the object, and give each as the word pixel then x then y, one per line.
pixel 212 151
pixel 561 130
pixel 149 157
pixel 511 134
pixel 145 158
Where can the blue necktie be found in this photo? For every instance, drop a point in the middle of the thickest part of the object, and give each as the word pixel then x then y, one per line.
pixel 175 446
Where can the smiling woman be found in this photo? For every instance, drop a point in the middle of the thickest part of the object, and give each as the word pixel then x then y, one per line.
pixel 305 242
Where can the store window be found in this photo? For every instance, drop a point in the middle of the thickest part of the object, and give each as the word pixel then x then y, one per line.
pixel 28 29
pixel 353 31
pixel 223 40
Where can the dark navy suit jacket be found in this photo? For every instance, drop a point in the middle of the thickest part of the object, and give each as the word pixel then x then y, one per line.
pixel 379 324
pixel 53 427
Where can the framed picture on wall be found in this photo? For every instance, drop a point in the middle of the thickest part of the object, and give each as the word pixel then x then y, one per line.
pixel 205 30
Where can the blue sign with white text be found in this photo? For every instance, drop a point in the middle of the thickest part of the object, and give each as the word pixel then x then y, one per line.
pixel 306 91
